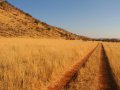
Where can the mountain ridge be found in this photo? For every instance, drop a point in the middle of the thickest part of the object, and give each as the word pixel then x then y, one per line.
pixel 16 23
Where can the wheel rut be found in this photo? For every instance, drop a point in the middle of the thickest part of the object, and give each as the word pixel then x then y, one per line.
pixel 70 74
pixel 106 79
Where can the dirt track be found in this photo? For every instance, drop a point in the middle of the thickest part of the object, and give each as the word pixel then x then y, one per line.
pixel 105 77
pixel 61 82
pixel 106 80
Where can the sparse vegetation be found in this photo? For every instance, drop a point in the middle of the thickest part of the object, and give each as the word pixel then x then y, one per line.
pixel 36 21
pixel 48 29
pixel 28 14
pixel 3 4
pixel 26 22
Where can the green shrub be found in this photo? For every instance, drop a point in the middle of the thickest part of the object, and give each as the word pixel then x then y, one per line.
pixel 48 29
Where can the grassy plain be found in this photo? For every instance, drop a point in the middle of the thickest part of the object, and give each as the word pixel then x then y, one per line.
pixel 32 64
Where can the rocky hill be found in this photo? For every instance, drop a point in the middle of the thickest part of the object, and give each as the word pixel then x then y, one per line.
pixel 16 23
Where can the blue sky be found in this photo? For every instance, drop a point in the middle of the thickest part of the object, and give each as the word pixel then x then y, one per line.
pixel 93 18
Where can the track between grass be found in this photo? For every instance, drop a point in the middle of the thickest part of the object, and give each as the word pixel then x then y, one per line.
pixel 68 75
pixel 106 79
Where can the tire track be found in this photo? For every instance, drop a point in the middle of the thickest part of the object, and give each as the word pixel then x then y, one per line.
pixel 68 76
pixel 87 75
pixel 106 79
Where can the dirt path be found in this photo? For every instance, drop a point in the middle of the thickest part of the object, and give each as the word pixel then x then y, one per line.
pixel 106 80
pixel 64 80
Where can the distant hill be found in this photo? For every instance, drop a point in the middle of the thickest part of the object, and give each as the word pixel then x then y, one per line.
pixel 16 23
pixel 107 40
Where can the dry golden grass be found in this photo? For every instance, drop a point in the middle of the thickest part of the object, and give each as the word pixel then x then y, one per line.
pixel 32 64
pixel 87 77
pixel 113 53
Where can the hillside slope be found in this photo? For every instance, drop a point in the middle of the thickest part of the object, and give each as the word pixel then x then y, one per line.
pixel 16 23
